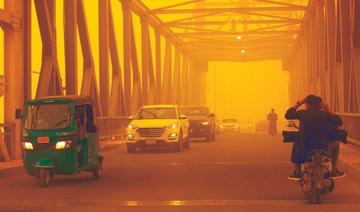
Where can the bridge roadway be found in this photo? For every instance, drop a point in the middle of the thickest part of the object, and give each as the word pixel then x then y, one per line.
pixel 237 172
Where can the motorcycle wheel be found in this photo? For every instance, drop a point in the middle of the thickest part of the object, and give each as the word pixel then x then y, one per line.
pixel 316 196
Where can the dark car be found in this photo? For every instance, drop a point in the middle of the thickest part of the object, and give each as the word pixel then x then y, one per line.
pixel 202 122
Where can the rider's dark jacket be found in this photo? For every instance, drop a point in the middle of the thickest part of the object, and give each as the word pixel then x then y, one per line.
pixel 314 128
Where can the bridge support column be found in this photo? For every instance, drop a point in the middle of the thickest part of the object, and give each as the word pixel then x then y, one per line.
pixel 117 104
pixel 184 92
pixel 14 62
pixel 127 52
pixel 70 41
pixel 104 54
pixel 175 96
pixel 145 58
pixel 167 80
pixel 158 65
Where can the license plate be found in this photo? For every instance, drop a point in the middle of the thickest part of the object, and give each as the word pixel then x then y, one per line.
pixel 150 141
pixel 43 140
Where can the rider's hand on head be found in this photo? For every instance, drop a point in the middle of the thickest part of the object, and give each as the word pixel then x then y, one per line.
pixel 324 106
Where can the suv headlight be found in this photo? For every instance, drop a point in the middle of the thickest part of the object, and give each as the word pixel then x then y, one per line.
pixel 174 125
pixel 131 127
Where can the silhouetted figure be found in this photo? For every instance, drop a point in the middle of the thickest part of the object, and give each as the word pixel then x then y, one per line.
pixel 314 129
pixel 272 118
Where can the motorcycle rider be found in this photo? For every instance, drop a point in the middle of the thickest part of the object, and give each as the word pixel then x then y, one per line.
pixel 272 118
pixel 314 122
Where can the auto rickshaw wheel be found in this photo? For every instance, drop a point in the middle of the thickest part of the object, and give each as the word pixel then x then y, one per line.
pixel 44 177
pixel 98 171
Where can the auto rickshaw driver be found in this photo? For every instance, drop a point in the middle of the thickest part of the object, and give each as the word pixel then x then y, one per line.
pixel 80 125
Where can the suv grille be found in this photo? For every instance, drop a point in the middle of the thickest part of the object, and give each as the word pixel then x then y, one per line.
pixel 195 123
pixel 151 132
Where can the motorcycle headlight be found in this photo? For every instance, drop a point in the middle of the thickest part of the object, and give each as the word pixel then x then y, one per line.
pixel 63 145
pixel 28 146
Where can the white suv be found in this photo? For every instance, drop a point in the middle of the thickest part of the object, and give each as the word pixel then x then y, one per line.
pixel 157 126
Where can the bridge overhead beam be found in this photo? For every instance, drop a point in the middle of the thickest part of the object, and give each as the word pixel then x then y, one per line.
pixel 230 9
pixel 140 9
pixel 199 23
pixel 158 84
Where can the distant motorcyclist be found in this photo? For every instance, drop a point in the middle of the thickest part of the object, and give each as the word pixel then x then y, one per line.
pixel 314 122
pixel 272 118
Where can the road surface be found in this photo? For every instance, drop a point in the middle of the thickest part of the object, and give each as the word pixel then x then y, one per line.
pixel 237 172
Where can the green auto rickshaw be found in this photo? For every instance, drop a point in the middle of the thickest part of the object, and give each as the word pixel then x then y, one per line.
pixel 59 137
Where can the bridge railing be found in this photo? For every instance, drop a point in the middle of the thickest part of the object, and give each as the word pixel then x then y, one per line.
pixel 112 127
pixel 351 122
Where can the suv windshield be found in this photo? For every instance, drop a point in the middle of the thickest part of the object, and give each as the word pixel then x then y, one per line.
pixel 157 113
pixel 193 111
pixel 48 116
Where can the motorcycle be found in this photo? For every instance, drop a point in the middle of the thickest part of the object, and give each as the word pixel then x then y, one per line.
pixel 316 180
pixel 272 130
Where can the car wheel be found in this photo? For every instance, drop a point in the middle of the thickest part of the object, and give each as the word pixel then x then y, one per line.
pixel 187 143
pixel 180 145
pixel 209 137
pixel 131 148
pixel 214 136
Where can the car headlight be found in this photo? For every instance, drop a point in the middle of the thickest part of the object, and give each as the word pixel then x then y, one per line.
pixel 173 135
pixel 28 146
pixel 132 127
pixel 63 145
pixel 174 125
pixel 205 123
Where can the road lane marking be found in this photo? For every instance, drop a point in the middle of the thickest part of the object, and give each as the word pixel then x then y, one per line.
pixel 158 203
pixel 213 203
pixel 194 163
